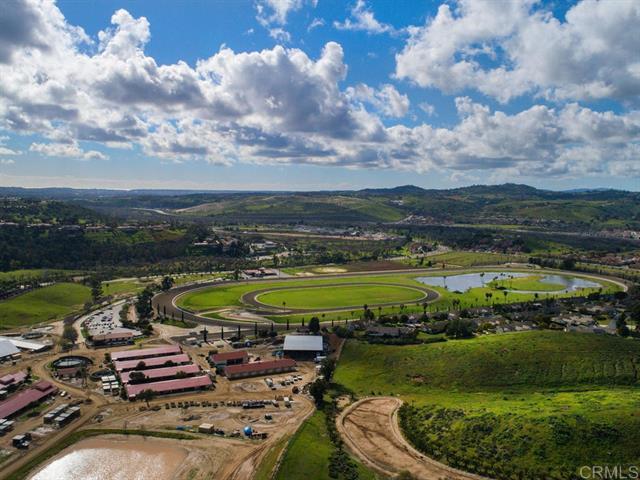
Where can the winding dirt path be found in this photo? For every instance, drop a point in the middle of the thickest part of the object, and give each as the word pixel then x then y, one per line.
pixel 370 429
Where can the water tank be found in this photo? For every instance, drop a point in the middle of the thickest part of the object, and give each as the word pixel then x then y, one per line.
pixel 247 431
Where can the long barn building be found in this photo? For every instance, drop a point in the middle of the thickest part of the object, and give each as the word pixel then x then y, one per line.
pixel 257 369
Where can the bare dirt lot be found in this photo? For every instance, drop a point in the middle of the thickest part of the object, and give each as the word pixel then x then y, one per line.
pixel 370 429
pixel 210 456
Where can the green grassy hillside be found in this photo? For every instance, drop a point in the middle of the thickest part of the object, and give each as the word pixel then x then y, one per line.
pixel 309 454
pixel 526 405
pixel 529 360
pixel 296 207
pixel 43 304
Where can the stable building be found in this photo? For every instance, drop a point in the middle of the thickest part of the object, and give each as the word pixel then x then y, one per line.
pixel 27 399
pixel 123 336
pixel 12 381
pixel 257 369
pixel 303 346
pixel 154 362
pixel 221 360
pixel 146 353
pixel 178 385
pixel 155 374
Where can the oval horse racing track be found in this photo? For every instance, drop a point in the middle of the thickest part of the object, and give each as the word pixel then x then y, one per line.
pixel 333 297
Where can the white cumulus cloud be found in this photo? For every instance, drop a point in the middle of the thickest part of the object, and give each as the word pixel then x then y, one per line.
pixel 362 19
pixel 507 49
pixel 281 106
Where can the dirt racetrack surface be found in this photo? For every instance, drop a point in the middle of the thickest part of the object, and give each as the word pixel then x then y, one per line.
pixel 370 429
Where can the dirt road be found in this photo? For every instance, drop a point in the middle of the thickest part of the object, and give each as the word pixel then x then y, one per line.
pixel 370 429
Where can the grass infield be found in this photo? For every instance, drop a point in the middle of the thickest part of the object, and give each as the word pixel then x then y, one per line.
pixel 340 296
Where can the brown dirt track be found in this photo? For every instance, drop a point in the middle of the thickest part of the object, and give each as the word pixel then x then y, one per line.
pixel 370 429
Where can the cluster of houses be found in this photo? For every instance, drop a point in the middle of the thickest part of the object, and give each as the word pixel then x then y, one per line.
pixel 570 315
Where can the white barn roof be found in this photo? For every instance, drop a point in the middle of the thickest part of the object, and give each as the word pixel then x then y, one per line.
pixel 23 344
pixel 7 349
pixel 303 343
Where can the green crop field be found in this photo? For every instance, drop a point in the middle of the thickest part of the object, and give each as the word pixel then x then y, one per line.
pixel 522 405
pixel 345 296
pixel 335 294
pixel 44 304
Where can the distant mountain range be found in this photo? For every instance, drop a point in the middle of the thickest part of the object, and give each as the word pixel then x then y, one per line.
pixel 507 204
pixel 503 189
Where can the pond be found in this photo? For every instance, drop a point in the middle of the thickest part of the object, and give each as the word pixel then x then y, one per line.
pixel 110 459
pixel 466 281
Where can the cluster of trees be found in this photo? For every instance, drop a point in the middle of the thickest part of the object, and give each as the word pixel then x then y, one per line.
pixel 318 388
pixel 341 465
pixel 144 309
pixel 52 247
pixel 69 337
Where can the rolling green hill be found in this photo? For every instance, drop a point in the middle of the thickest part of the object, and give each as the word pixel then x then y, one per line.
pixel 525 405
pixel 478 204
pixel 44 304
pixel 284 208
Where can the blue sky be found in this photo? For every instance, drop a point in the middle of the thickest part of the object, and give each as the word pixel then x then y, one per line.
pixel 306 94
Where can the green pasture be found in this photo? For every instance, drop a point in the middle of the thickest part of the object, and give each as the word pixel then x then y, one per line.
pixel 537 359
pixel 345 296
pixel 43 304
